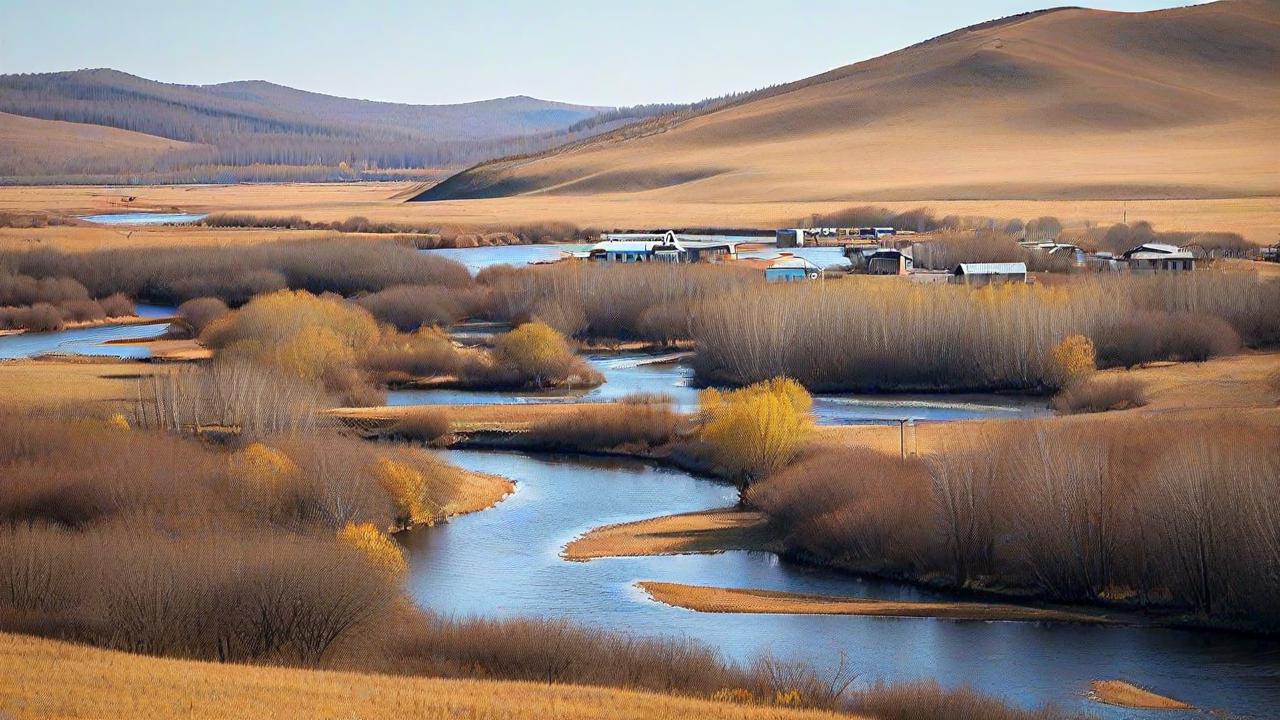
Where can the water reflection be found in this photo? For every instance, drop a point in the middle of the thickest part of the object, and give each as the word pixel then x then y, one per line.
pixel 505 562
pixel 88 341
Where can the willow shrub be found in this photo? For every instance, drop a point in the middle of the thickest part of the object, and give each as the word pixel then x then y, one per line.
pixel 758 429
pixel 868 334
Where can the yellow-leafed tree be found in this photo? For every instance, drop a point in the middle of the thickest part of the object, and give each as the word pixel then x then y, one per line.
pixel 1072 360
pixel 264 468
pixel 758 429
pixel 380 550
pixel 408 489
pixel 537 352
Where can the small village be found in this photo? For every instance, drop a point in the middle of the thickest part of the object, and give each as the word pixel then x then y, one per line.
pixel 887 251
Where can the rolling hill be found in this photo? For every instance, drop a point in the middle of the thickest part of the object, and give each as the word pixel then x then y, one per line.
pixel 212 129
pixel 1068 103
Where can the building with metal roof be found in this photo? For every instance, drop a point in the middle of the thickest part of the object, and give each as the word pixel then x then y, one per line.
pixel 1157 257
pixel 791 268
pixel 988 273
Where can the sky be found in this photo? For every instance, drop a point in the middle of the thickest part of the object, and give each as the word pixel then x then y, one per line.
pixel 594 52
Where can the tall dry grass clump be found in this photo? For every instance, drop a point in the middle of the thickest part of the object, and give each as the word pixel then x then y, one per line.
pixel 608 300
pixel 632 423
pixel 1100 394
pixel 234 275
pixel 1178 516
pixel 48 303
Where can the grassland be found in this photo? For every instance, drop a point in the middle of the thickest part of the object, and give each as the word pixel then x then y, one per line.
pixel 49 679
pixel 1257 218
pixel 73 381
pixel 736 600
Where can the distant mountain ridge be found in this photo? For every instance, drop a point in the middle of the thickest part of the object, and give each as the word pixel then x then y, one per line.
pixel 257 123
pixel 1059 103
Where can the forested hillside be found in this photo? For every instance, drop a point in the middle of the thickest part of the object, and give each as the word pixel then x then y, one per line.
pixel 257 130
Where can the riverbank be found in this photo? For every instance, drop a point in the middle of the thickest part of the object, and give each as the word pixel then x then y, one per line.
pixel 1123 694
pixel 51 679
pixel 118 321
pixel 81 381
pixel 744 600
pixel 709 531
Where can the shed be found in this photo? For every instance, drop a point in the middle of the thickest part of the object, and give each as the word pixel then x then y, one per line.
pixel 989 273
pixel 889 261
pixel 791 268
pixel 1157 257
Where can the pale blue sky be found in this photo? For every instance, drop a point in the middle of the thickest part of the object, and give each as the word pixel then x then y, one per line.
pixel 585 51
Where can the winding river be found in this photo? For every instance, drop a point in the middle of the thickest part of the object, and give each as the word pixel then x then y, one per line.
pixel 505 561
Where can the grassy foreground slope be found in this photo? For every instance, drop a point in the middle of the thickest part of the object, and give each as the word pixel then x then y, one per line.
pixel 1063 104
pixel 49 679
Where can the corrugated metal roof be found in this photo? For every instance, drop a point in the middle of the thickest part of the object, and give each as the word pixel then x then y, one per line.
pixel 1006 268
pixel 793 263
pixel 1176 255
pixel 626 245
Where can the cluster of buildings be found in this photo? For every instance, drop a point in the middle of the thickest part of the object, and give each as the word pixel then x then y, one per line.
pixel 872 251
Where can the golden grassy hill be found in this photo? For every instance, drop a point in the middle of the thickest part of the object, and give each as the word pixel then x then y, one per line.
pixel 1060 104
pixel 26 143
pixel 48 679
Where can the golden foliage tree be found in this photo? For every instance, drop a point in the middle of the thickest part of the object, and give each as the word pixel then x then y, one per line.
pixel 1072 360
pixel 535 350
pixel 304 334
pixel 381 551
pixel 757 430
pixel 264 468
pixel 408 489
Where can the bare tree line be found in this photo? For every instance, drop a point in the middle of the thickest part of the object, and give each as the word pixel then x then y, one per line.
pixel 1175 515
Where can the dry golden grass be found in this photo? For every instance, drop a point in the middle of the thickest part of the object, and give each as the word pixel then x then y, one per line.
pixel 70 381
pixel 1257 218
pixel 1072 105
pixel 1238 383
pixel 176 350
pixel 49 679
pixel 742 600
pixel 1119 692
pixel 697 532
pixel 469 418
pixel 57 142
pixel 469 491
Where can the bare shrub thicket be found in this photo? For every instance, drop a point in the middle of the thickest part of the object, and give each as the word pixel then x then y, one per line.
pixel 249 397
pixel 556 651
pixel 409 307
pixel 857 335
pixel 1120 237
pixel 153 542
pixel 1100 394
pixel 607 300
pixel 1175 515
pixel 930 701
pixel 423 425
pixel 46 303
pixel 196 314
pixel 634 423
pixel 175 275
pixel 945 250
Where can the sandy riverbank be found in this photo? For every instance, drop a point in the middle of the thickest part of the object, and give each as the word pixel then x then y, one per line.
pixel 706 531
pixel 1123 694
pixel 743 600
